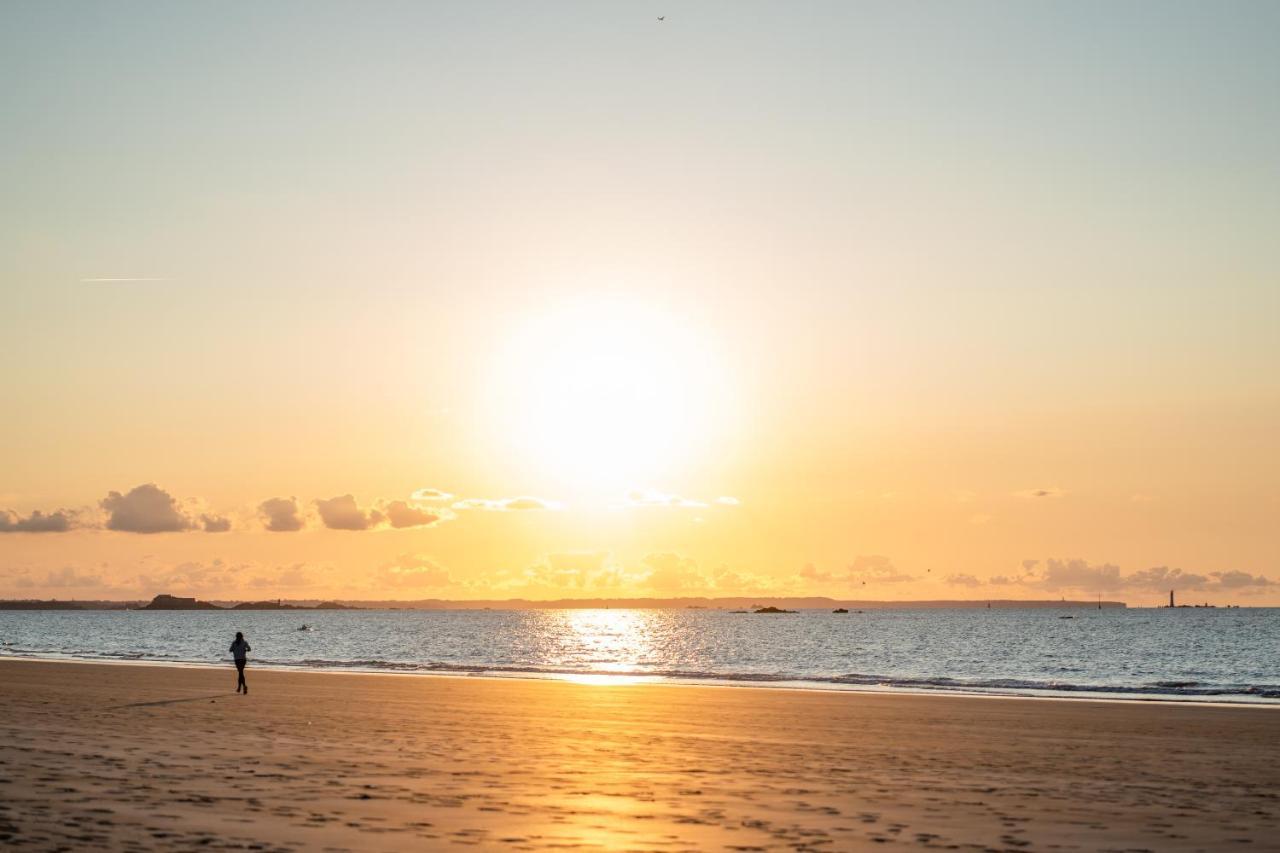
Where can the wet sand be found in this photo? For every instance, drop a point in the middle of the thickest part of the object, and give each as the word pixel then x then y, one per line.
pixel 150 757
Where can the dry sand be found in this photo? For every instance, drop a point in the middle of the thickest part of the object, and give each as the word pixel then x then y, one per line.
pixel 147 757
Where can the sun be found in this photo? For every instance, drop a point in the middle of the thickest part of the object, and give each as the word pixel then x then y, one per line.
pixel 607 395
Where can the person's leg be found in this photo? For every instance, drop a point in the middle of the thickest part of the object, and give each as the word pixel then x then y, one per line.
pixel 240 685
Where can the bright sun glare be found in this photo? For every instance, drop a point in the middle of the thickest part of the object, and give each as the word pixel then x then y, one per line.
pixel 608 395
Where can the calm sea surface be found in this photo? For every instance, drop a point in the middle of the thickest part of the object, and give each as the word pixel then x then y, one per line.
pixel 1202 655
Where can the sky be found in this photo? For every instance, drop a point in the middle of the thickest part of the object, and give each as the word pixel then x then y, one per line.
pixel 876 300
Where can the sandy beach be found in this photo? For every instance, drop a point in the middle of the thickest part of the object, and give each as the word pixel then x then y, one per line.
pixel 151 757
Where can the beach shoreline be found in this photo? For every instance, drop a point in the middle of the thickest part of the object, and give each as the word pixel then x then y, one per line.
pixel 629 679
pixel 168 757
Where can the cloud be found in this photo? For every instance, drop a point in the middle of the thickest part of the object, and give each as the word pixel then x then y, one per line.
pixel 672 572
pixel 58 521
pixel 726 581
pixel 431 496
pixel 145 509
pixel 1052 492
pixel 519 504
pixel 580 569
pixel 1240 580
pixel 963 580
pixel 221 579
pixel 298 576
pixel 402 514
pixel 215 523
pixel 578 561
pixel 280 515
pixel 862 571
pixel 216 578
pixel 810 573
pixel 67 577
pixel 875 569
pixel 342 513
pixel 1064 574
pixel 1155 578
pixel 653 497
pixel 566 572
pixel 412 571
pixel 577 573
pixel 1072 574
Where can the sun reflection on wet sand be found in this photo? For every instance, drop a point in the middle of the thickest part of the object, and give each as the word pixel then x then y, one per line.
pixel 604 679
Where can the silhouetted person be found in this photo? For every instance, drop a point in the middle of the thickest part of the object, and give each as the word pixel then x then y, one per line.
pixel 240 651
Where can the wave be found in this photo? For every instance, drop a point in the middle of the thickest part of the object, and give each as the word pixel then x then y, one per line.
pixel 1166 689
pixel 1157 688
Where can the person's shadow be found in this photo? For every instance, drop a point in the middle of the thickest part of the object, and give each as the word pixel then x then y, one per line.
pixel 170 701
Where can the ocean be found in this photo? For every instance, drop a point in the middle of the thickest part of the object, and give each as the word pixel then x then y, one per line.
pixel 1221 655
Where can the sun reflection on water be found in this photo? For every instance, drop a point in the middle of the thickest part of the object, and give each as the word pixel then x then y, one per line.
pixel 612 643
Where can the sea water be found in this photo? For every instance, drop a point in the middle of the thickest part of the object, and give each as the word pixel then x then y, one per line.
pixel 1224 655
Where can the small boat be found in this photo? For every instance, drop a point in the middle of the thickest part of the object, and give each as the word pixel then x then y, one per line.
pixel 305 627
pixel 840 610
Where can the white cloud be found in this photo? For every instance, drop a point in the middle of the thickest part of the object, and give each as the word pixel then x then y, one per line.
pixel 655 498
pixel 519 504
pixel 431 496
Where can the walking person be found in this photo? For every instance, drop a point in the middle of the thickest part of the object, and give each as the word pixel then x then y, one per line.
pixel 240 651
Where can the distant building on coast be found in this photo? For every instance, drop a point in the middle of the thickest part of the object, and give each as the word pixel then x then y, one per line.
pixel 174 602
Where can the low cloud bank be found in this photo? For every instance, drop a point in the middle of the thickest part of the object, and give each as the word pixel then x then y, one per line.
pixel 863 571
pixel 1055 575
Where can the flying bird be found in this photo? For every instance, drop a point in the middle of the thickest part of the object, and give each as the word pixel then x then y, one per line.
pixel 662 17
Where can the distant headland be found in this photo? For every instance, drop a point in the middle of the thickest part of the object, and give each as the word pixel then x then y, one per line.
pixel 171 602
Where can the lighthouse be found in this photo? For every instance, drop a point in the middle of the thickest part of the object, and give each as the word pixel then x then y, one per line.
pixel 1170 598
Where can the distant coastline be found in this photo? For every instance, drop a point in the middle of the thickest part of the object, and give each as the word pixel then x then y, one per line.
pixel 170 602
pixel 173 602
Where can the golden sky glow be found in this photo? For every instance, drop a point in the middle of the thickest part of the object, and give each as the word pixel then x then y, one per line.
pixel 863 300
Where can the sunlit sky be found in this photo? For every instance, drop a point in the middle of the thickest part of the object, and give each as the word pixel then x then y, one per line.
pixel 487 300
